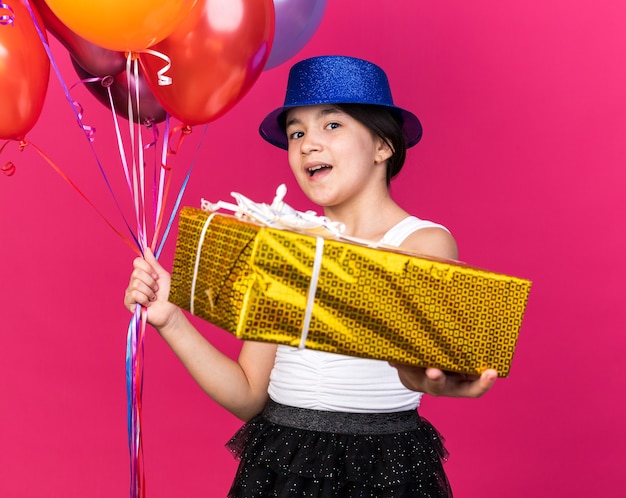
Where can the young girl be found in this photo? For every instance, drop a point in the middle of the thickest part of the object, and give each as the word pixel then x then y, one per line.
pixel 322 424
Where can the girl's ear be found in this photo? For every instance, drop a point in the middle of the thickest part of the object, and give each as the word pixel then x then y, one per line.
pixel 383 152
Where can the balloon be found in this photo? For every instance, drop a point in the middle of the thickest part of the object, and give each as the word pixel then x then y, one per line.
pixel 150 111
pixel 95 60
pixel 216 53
pixel 24 70
pixel 296 22
pixel 121 25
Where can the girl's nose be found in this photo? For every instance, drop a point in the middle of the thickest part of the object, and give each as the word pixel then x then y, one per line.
pixel 310 142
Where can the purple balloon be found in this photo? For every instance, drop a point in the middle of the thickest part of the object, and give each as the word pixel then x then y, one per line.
pixel 295 23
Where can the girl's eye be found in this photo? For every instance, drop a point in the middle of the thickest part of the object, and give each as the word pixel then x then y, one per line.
pixel 332 126
pixel 295 134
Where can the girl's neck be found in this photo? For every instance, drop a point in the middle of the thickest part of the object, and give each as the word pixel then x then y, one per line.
pixel 367 219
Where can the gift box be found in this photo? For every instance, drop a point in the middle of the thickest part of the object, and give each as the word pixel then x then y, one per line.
pixel 322 292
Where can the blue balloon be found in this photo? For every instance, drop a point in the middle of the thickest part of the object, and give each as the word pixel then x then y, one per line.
pixel 296 21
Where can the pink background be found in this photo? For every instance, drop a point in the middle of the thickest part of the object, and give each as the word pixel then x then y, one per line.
pixel 523 157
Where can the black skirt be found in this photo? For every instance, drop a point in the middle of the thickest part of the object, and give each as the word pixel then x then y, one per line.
pixel 292 452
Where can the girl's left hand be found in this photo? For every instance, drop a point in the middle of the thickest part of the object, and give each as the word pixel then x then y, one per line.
pixel 439 383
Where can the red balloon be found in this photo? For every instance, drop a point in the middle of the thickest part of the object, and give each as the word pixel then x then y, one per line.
pixel 97 61
pixel 216 53
pixel 150 110
pixel 24 70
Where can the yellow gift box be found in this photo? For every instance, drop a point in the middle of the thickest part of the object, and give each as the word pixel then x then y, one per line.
pixel 325 293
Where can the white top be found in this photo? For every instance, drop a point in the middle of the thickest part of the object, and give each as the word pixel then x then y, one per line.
pixel 327 381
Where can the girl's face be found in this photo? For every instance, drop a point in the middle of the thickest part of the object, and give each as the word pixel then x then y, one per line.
pixel 333 156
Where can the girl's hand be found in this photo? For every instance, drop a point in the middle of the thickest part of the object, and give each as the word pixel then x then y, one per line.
pixel 149 286
pixel 439 383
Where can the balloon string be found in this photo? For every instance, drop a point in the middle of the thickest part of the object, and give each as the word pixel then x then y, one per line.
pixel 156 190
pixel 134 387
pixel 184 131
pixel 159 218
pixel 161 186
pixel 139 391
pixel 135 178
pixel 165 171
pixel 130 395
pixel 137 190
pixel 135 345
pixel 89 130
pixel 181 191
pixel 9 168
pixel 120 144
pixel 140 148
pixel 7 19
pixel 73 185
pixel 137 173
pixel 162 78
pixel 46 46
pixel 131 183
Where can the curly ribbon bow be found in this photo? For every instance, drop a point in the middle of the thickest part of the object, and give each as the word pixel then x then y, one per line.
pixel 278 214
pixel 7 19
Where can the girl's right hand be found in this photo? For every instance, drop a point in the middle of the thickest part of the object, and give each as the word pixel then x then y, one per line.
pixel 149 286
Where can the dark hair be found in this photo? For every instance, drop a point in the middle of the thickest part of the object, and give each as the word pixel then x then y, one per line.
pixel 385 124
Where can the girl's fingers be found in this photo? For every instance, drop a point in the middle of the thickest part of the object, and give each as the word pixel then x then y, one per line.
pixel 143 265
pixel 141 289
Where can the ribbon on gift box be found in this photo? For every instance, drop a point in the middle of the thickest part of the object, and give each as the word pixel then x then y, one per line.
pixel 281 216
pixel 278 214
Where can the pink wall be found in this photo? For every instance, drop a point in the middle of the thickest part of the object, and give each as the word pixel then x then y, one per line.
pixel 523 157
